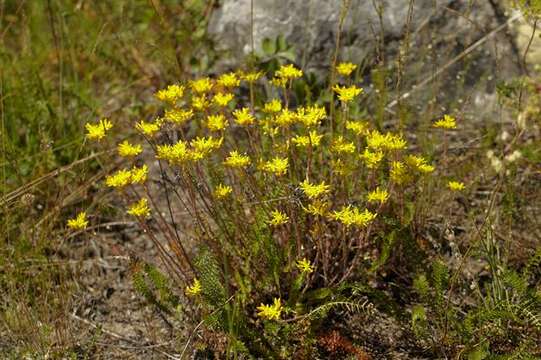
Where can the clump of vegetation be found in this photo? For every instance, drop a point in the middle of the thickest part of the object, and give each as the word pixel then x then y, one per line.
pixel 282 208
pixel 265 204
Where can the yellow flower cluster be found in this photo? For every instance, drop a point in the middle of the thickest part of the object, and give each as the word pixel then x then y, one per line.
pixel 285 118
pixel 171 94
pixel 243 117
pixel 181 153
pixel 140 209
pixel 388 141
pixel 202 147
pixel 97 131
pixel 216 122
pixel 448 122
pixel 349 216
pixel 372 158
pixel 148 128
pixel 125 149
pixel 139 174
pixel 175 154
pixel 419 163
pixel 305 266
pixel 311 116
pixel 194 289
pixel 378 196
pixel 357 127
pixel 317 208
pixel 347 93
pixel 124 177
pixel 345 68
pixel 228 80
pixel 288 72
pixel 456 185
pixel 270 312
pixel 272 106
pixel 120 179
pixel 178 116
pixel 79 222
pixel 312 139
pixel 399 173
pixel 313 191
pixel 278 166
pixel 342 146
pixel 278 218
pixel 222 191
pixel 252 77
pixel 200 103
pixel 202 86
pixel 223 99
pixel 235 160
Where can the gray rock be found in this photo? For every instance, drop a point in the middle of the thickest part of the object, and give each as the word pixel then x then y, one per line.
pixel 311 25
pixel 438 31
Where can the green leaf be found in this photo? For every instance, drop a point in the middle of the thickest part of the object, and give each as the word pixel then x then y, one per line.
pixel 268 46
pixel 319 294
pixel 281 43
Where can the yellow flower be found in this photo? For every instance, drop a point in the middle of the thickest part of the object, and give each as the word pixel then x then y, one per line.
pixel 277 165
pixel 399 173
pixel 388 141
pixel 345 68
pixel 273 106
pixel 419 163
pixel 177 153
pixel 118 180
pixel 305 266
pixel 372 159
pixel 347 94
pixel 125 149
pixel 140 209
pixel 205 146
pixel 378 195
pixel 313 191
pixel 278 218
pixel 317 208
pixel 244 117
pixel 200 103
pixel 222 99
pixel 311 116
pixel 229 80
pixel 353 216
pixel 270 312
pixel 341 146
pixel 194 289
pixel 201 86
pixel 285 118
pixel 139 174
pixel 358 127
pixel 313 139
pixel 456 185
pixel 252 76
pixel 178 116
pixel 97 132
pixel 79 222
pixel 236 160
pixel 171 94
pixel 279 82
pixel 216 122
pixel 288 72
pixel 222 191
pixel 147 128
pixel 448 122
